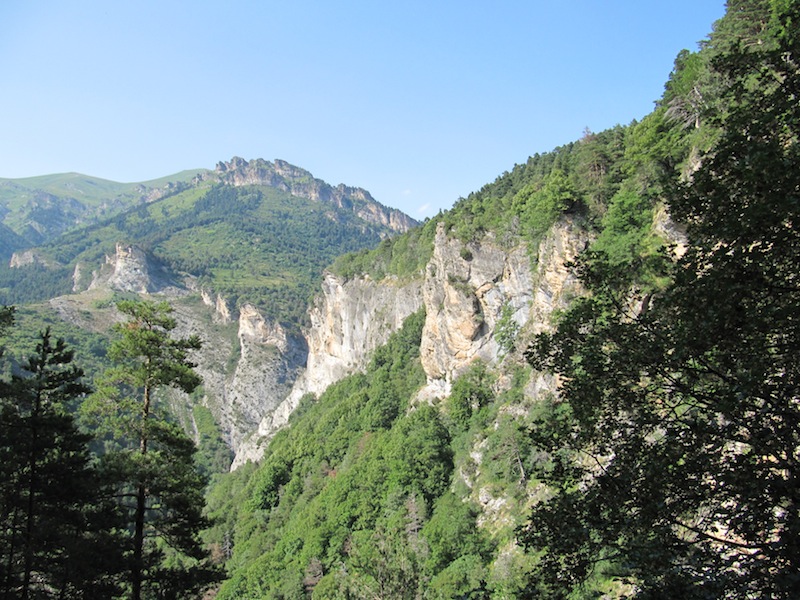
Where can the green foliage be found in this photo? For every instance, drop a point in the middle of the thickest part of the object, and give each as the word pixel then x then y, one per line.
pixel 251 244
pixel 213 454
pixel 627 240
pixel 33 283
pixel 452 533
pixel 470 392
pixel 403 256
pixel 540 205
pixel 671 452
pixel 580 180
pixel 159 488
pixel 90 349
pixel 506 329
pixel 58 530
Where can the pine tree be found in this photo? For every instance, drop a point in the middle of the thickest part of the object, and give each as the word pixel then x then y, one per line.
pixel 57 528
pixel 161 489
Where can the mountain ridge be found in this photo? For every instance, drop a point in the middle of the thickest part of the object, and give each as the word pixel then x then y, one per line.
pixel 40 208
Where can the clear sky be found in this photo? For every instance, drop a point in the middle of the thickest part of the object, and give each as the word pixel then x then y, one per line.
pixel 419 102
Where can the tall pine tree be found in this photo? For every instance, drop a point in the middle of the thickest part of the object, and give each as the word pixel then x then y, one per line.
pixel 161 490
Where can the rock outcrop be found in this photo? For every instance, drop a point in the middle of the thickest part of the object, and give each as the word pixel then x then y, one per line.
pixel 468 287
pixel 269 361
pixel 464 290
pixel 349 320
pixel 255 372
pixel 130 269
pixel 299 182
pixel 27 258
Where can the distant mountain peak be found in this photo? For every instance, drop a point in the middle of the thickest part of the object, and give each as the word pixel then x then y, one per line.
pixel 299 182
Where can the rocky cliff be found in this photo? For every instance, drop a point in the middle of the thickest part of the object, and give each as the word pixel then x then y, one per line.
pixel 465 290
pixel 468 287
pixel 255 372
pixel 248 364
pixel 299 182
pixel 248 367
pixel 129 269
pixel 349 320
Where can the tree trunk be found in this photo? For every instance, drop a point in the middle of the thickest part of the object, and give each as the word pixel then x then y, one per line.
pixel 137 574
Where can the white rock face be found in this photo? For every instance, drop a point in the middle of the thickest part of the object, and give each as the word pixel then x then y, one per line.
pixel 28 257
pixel 220 306
pixel 270 363
pixel 674 233
pixel 466 288
pixel 128 270
pixel 464 291
pixel 131 270
pixel 555 284
pixel 77 278
pixel 348 321
pixel 244 377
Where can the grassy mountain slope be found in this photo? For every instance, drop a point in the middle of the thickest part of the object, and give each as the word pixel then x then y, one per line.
pixel 251 243
pixel 39 209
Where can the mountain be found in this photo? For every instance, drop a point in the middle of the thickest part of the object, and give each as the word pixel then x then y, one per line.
pixel 238 251
pixel 579 382
pixel 39 209
pixel 252 231
pixel 436 445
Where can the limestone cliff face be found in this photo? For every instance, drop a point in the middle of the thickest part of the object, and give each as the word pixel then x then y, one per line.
pixel 222 312
pixel 129 269
pixel 248 364
pixel 468 286
pixel 464 290
pixel 299 182
pixel 349 320
pixel 555 285
pixel 26 258
pixel 246 379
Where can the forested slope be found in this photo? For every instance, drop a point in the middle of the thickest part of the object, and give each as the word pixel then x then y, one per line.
pixel 663 466
pixel 598 398
pixel 262 242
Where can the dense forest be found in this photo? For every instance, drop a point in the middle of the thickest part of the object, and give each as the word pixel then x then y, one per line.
pixel 665 466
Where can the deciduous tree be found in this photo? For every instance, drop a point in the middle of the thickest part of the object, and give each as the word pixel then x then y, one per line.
pixel 674 450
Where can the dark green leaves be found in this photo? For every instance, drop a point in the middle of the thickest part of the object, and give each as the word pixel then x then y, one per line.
pixel 684 424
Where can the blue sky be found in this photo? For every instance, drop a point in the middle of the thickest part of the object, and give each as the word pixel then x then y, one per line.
pixel 419 102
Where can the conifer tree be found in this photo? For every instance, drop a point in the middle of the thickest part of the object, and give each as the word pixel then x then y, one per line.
pixel 161 489
pixel 58 523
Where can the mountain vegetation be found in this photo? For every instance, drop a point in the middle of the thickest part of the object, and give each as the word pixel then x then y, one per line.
pixel 126 524
pixel 688 406
pixel 640 442
pixel 665 465
pixel 159 487
pixel 250 243
pixel 36 210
